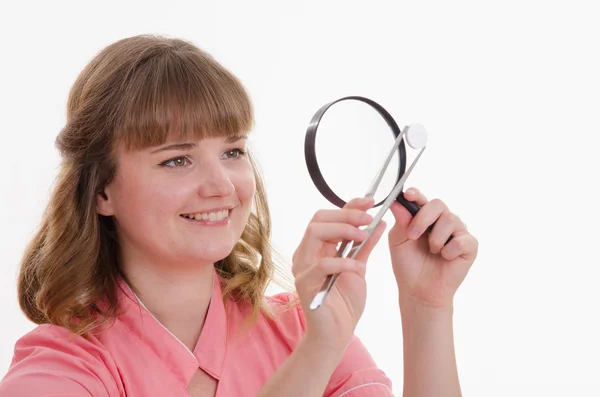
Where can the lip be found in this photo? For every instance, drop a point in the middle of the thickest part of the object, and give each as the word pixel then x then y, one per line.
pixel 207 222
pixel 228 208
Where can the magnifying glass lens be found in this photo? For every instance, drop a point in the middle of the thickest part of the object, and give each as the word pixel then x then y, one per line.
pixel 351 144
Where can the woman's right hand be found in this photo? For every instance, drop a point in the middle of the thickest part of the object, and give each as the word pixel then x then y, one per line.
pixel 332 325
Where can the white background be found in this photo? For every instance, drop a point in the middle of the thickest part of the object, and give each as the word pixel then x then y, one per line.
pixel 509 92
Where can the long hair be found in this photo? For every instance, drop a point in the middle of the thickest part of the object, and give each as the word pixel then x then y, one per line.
pixel 137 92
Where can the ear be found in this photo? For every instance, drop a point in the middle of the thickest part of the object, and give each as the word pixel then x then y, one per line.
pixel 104 204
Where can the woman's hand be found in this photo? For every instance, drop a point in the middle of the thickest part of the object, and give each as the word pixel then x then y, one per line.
pixel 332 325
pixel 428 272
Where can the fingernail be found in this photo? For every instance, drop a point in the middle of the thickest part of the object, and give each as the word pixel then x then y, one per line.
pixel 368 218
pixel 361 234
pixel 413 233
pixel 410 191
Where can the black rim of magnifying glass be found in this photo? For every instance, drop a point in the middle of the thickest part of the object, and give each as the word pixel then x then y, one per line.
pixel 311 156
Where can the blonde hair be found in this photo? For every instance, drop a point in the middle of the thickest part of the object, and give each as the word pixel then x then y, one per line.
pixel 137 92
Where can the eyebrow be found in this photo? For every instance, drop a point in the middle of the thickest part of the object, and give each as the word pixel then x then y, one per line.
pixel 235 138
pixel 175 146
pixel 191 145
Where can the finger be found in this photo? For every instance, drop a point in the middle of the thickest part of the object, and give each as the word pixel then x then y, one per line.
pixel 318 234
pixel 402 218
pixel 463 245
pixel 355 217
pixel 448 224
pixel 367 248
pixel 415 195
pixel 427 216
pixel 363 203
pixel 310 280
pixel 333 233
pixel 352 215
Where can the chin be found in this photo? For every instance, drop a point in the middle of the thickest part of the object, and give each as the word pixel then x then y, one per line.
pixel 212 255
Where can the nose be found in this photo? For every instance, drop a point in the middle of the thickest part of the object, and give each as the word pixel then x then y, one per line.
pixel 214 180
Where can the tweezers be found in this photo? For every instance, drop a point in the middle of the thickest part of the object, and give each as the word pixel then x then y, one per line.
pixel 347 247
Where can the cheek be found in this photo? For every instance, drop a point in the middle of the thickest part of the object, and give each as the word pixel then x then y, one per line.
pixel 141 200
pixel 245 186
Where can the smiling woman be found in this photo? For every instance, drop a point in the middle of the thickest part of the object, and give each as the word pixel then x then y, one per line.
pixel 148 273
pixel 138 93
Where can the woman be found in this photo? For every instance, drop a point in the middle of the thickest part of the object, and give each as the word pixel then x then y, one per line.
pixel 148 273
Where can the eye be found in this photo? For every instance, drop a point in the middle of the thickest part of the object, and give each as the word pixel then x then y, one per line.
pixel 176 162
pixel 234 153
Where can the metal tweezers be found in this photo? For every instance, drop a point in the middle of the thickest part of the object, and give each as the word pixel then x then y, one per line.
pixel 347 248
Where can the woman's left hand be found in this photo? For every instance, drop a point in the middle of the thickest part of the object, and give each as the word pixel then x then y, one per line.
pixel 428 272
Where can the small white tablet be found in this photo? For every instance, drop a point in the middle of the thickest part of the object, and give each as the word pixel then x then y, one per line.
pixel 416 136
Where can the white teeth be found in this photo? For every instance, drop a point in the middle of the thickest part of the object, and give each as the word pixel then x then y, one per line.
pixel 209 216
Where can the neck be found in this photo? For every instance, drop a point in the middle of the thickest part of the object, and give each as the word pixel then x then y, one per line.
pixel 178 299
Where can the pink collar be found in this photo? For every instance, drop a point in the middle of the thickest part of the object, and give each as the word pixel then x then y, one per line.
pixel 209 353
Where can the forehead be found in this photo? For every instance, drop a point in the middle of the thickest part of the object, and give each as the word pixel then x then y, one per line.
pixel 181 103
pixel 158 136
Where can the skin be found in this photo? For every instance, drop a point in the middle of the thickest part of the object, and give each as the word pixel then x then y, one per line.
pixel 164 254
pixel 427 273
pixel 169 259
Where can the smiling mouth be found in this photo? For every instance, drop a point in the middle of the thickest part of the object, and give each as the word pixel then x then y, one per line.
pixel 214 216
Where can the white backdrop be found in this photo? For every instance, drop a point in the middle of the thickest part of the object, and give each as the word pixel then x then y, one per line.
pixel 509 92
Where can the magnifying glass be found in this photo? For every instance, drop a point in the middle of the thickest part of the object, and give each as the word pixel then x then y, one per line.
pixel 355 135
pixel 359 147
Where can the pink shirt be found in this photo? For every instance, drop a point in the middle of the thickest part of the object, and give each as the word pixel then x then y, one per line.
pixel 138 356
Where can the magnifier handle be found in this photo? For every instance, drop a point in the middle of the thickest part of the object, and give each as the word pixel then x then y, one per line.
pixel 413 208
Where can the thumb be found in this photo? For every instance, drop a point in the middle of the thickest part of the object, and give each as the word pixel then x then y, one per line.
pixel 399 232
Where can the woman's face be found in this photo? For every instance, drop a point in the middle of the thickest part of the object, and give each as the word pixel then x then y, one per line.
pixel 181 203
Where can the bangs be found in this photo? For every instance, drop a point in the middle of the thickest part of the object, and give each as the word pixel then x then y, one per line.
pixel 181 96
